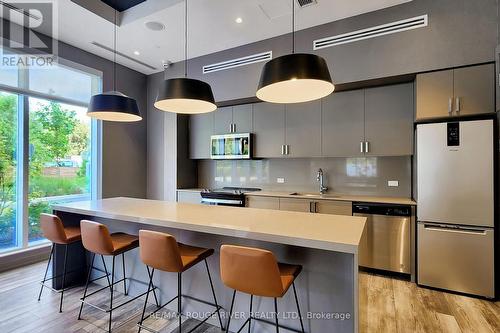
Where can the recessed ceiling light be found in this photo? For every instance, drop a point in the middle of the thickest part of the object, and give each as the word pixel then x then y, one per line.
pixel 137 53
pixel 154 25
pixel 238 20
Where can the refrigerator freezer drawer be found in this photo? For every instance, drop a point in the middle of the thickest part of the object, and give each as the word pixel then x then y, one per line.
pixel 457 259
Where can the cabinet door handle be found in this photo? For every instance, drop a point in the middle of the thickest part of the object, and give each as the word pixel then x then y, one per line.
pixel 311 206
pixel 315 207
pixel 287 149
pixel 362 147
pixel 457 104
pixel 367 147
pixel 282 149
pixel 450 105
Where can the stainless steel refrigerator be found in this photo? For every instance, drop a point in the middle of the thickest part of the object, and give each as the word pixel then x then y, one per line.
pixel 455 196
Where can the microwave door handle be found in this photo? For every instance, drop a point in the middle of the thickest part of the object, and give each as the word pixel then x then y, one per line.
pixel 241 147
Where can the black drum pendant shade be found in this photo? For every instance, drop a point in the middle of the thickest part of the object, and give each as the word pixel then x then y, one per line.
pixel 295 78
pixel 185 95
pixel 114 106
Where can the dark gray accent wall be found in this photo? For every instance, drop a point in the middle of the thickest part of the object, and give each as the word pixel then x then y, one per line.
pixel 460 32
pixel 124 148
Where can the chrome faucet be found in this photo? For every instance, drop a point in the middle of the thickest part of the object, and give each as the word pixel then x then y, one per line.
pixel 320 179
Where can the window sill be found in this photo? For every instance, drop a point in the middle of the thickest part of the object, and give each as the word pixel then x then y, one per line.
pixel 23 257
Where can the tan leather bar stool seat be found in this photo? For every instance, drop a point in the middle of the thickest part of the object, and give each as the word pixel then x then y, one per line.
pixel 257 272
pixel 54 230
pixel 97 239
pixel 161 251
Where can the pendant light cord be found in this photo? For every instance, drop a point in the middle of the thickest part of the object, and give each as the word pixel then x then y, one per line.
pixel 114 52
pixel 293 26
pixel 185 38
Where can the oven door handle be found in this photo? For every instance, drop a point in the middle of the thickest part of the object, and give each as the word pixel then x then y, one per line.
pixel 221 201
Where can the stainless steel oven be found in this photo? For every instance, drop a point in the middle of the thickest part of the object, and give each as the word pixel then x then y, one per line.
pixel 237 146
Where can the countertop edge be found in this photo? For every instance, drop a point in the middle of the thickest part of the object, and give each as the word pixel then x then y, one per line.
pixel 307 243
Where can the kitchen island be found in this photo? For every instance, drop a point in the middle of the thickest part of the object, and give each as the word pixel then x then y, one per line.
pixel 326 246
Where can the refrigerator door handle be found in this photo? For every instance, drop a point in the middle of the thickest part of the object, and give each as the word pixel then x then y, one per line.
pixel 458 230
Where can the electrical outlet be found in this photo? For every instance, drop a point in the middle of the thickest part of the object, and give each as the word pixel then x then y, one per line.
pixel 393 183
pixel 280 180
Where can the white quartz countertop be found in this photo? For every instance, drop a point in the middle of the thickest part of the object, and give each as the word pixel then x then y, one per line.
pixel 319 231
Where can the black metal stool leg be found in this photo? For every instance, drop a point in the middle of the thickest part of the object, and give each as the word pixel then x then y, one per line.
pixel 86 285
pixel 64 276
pixel 111 299
pixel 250 315
pixel 276 313
pixel 124 279
pixel 150 274
pixel 46 271
pixel 230 311
pixel 179 299
pixel 298 307
pixel 106 270
pixel 147 296
pixel 213 293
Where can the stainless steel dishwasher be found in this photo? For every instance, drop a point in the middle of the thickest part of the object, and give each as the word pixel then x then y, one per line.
pixel 387 240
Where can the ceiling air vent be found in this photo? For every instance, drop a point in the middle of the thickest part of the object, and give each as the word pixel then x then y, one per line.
pixel 380 30
pixel 233 63
pixel 305 3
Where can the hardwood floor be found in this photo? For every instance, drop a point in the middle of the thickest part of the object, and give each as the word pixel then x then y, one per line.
pixel 388 305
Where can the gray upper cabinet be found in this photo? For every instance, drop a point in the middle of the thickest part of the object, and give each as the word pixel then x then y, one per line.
pixel 201 127
pixel 223 120
pixel 343 124
pixel 474 89
pixel 303 129
pixel 455 92
pixel 389 120
pixel 269 129
pixel 243 118
pixel 434 94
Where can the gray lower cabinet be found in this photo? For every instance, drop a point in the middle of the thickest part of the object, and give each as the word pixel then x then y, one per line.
pixel 455 92
pixel 333 207
pixel 223 120
pixel 343 124
pixel 201 127
pixel 243 118
pixel 389 120
pixel 269 129
pixel 303 129
pixel 262 202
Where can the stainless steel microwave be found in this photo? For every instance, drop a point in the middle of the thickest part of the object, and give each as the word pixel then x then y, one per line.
pixel 236 146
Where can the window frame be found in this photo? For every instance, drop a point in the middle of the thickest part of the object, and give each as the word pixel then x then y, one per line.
pixel 22 169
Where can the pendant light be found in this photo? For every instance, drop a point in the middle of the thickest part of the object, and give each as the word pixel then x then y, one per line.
pixel 114 105
pixel 295 77
pixel 185 95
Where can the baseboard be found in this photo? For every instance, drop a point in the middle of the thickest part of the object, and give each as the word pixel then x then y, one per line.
pixel 24 257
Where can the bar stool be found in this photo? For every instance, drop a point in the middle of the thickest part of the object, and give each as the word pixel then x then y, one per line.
pixel 97 240
pixel 54 230
pixel 161 251
pixel 257 273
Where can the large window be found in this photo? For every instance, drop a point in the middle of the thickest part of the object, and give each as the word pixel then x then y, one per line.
pixel 48 148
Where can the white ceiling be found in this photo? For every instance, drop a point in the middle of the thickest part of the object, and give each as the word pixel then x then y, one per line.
pixel 212 26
